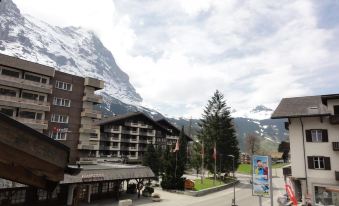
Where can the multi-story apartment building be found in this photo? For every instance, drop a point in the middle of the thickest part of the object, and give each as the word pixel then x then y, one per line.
pixel 57 104
pixel 24 89
pixel 173 136
pixel 127 136
pixel 313 124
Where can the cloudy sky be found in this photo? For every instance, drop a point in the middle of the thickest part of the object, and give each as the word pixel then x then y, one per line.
pixel 178 52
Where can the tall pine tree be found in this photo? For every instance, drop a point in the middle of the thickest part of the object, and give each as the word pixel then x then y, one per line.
pixel 217 129
pixel 152 159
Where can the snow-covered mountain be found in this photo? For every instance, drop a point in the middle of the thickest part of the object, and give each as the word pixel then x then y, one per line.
pixel 79 51
pixel 69 49
pixel 259 112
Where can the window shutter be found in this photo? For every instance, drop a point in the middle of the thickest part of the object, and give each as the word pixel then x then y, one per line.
pixel 310 162
pixel 324 135
pixel 327 163
pixel 308 136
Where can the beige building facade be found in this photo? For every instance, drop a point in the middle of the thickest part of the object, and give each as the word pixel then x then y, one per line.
pixel 314 146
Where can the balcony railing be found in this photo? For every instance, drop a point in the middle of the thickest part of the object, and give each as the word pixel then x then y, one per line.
pixel 96 83
pixel 334 119
pixel 26 84
pixel 25 103
pixel 93 98
pixel 335 146
pixel 91 113
pixel 33 123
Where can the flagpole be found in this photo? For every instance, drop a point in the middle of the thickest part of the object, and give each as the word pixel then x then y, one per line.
pixel 176 160
pixel 215 163
pixel 202 163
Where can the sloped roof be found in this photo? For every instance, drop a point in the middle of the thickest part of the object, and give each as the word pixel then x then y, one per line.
pixel 300 107
pixel 118 118
pixel 108 172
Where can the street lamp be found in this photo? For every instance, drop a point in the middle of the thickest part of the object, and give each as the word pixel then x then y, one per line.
pixel 233 200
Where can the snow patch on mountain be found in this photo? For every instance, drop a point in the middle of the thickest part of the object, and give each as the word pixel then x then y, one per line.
pixel 260 112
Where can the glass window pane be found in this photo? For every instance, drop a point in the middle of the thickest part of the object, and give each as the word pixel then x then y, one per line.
pixel 7 92
pixel 27 114
pixel 10 73
pixel 8 112
pixel 32 78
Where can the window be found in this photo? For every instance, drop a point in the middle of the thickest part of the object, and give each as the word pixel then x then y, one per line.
pixel 32 78
pixel 63 85
pixel 59 118
pixel 61 135
pixel 42 194
pixel 319 162
pixel 33 96
pixel 30 115
pixel 35 78
pixel 336 109
pixel 61 102
pixel 8 92
pixel 316 135
pixel 7 111
pixel 11 73
pixel 325 197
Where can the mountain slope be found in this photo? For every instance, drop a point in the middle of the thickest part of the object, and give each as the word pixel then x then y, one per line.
pixel 70 49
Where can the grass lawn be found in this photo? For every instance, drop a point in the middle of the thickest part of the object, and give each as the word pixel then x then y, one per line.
pixel 244 168
pixel 208 183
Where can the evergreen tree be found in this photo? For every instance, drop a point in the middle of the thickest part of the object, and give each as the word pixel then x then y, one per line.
pixel 217 129
pixel 152 160
pixel 174 165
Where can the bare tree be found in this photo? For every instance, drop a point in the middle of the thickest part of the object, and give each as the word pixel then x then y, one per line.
pixel 252 143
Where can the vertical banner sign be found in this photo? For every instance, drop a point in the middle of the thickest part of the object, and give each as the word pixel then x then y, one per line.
pixel 261 177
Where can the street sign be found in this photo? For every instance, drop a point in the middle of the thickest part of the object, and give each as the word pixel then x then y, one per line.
pixel 261 176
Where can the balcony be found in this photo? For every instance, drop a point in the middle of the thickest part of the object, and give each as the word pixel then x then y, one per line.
pixel 337 175
pixel 142 141
pixel 24 103
pixel 88 160
pixel 147 133
pixel 91 113
pixel 25 84
pixel 335 146
pixel 89 129
pixel 110 139
pixel 96 83
pixel 113 148
pixel 334 119
pixel 88 147
pixel 133 132
pixel 33 123
pixel 93 98
pixel 132 148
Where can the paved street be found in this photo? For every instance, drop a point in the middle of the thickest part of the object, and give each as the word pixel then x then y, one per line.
pixel 222 198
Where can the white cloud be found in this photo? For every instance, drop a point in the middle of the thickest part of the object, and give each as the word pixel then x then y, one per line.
pixel 178 52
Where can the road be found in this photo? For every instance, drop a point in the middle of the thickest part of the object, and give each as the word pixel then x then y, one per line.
pixel 222 198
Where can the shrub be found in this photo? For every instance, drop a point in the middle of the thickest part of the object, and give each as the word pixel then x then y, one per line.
pixel 173 183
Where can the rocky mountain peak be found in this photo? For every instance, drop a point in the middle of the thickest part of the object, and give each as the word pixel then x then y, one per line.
pixel 73 50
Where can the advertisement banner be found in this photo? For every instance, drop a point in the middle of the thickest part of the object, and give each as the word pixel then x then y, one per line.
pixel 261 183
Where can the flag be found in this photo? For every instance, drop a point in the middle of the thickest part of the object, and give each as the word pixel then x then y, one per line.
pixel 214 153
pixel 176 146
